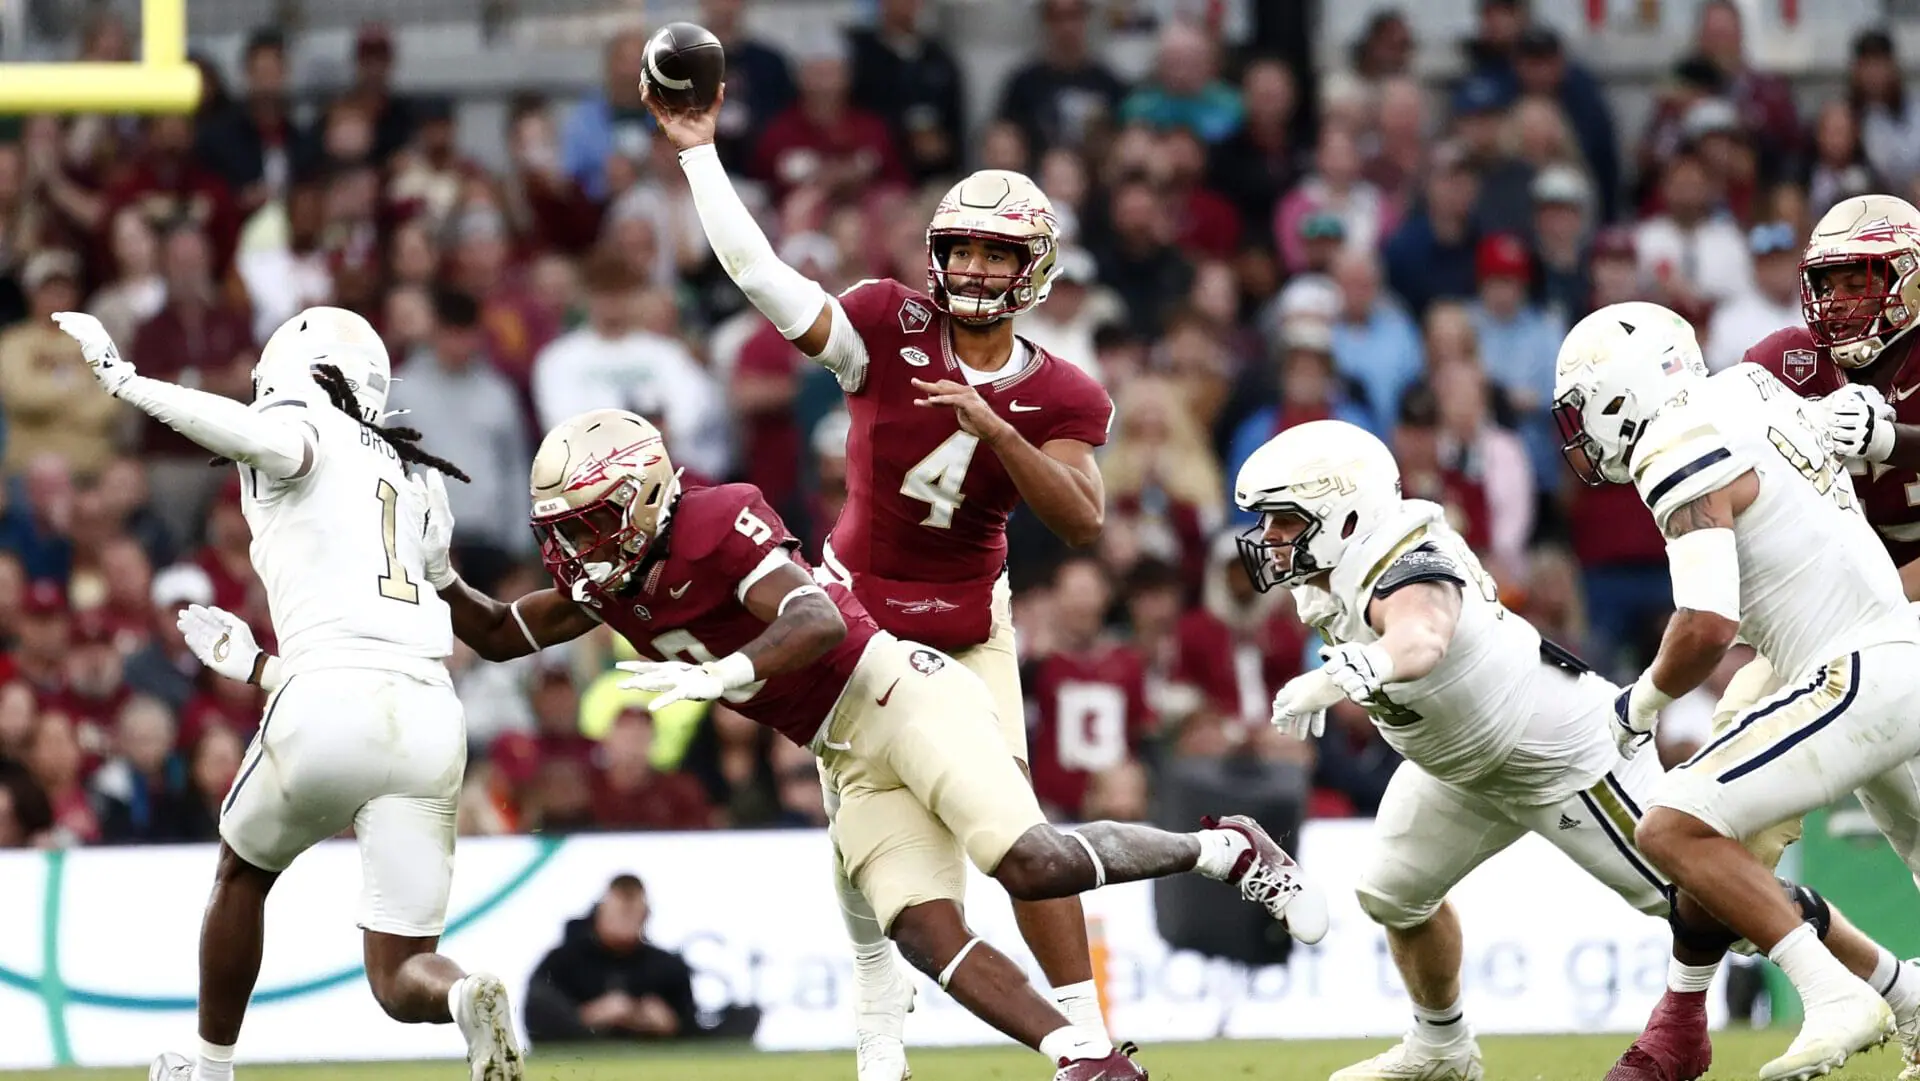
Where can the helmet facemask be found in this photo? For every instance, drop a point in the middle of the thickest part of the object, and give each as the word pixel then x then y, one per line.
pixel 1587 455
pixel 600 545
pixel 1260 556
pixel 1857 326
pixel 1022 292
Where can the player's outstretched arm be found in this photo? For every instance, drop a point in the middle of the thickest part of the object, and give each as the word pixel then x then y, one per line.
pixel 795 304
pixel 501 632
pixel 1416 625
pixel 270 440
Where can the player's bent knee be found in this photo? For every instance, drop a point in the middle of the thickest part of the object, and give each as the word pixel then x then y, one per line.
pixel 1039 866
pixel 1390 912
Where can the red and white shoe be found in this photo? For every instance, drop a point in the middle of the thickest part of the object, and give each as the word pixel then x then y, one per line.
pixel 1675 1045
pixel 1118 1066
pixel 1269 877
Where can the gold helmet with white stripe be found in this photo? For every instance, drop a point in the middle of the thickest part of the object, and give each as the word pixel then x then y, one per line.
pixel 603 492
pixel 1002 208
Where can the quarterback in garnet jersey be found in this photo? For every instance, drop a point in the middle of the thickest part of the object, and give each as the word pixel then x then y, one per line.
pixel 706 584
pixel 955 421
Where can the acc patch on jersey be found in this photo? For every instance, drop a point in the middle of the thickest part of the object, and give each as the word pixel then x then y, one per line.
pixel 916 357
pixel 926 661
pixel 1799 364
pixel 914 317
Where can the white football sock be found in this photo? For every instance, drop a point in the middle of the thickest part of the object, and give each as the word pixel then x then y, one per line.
pixel 1073 1043
pixel 1812 969
pixel 1897 982
pixel 872 953
pixel 1219 850
pixel 1689 978
pixel 215 1064
pixel 1442 1027
pixel 1080 1002
pixel 453 998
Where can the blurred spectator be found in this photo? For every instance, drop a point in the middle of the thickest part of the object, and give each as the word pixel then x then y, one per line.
pixel 1519 344
pixel 1352 765
pixel 1553 601
pixel 395 119
pixel 1138 261
pixel 1205 223
pixel 1694 255
pixel 1090 691
pixel 428 175
pixel 1878 98
pixel 173 190
pixel 1260 161
pixel 57 762
pixel 22 216
pixel 1064 96
pixel 629 794
pixel 134 290
pixel 1536 138
pixel 37 530
pixel 213 762
pixel 51 401
pixel 1399 156
pixel 1431 256
pixel 225 555
pixel 1496 38
pixel 290 271
pixel 1185 90
pixel 1839 168
pixel 606 981
pixel 828 442
pixel 1562 216
pixel 255 144
pixel 1713 131
pixel 142 790
pixel 1430 467
pixel 1385 47
pixel 1543 69
pixel 479 262
pixel 556 209
pixel 611 120
pixel 469 414
pixel 911 81
pixel 759 84
pixel 128 505
pixel 1239 646
pixel 1075 310
pixel 1375 343
pixel 19 719
pixel 26 819
pixel 1161 477
pixel 824 140
pixel 611 363
pixel 1613 261
pixel 1335 186
pixel 164 668
pixel 1479 121
pixel 1764 99
pixel 767 378
pixel 1771 303
pixel 1308 389
pixel 1492 458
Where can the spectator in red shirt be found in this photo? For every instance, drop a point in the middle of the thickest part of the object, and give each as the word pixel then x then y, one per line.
pixel 1206 222
pixel 559 213
pixel 200 338
pixel 1764 99
pixel 57 762
pixel 822 139
pixel 94 691
pixel 40 656
pixel 227 560
pixel 629 794
pixel 170 187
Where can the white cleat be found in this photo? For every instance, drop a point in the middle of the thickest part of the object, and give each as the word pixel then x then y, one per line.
pixel 1270 878
pixel 485 1019
pixel 1831 1033
pixel 1415 1060
pixel 1907 1026
pixel 880 1019
pixel 171 1066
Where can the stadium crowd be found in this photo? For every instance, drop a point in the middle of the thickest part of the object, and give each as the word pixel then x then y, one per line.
pixel 1235 263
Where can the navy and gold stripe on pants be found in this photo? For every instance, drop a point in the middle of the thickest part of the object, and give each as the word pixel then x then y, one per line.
pixel 1779 726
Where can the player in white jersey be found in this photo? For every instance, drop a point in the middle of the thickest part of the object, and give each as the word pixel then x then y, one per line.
pixel 1503 733
pixel 1766 543
pixel 362 729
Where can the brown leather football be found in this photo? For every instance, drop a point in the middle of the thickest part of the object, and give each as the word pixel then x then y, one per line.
pixel 684 65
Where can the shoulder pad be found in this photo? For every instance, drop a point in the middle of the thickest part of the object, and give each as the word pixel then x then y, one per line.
pixel 1424 562
pixel 1414 524
pixel 1683 455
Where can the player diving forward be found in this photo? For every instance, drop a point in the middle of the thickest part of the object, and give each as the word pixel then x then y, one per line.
pixel 705 583
pixel 363 728
pixel 1502 732
pixel 1766 543
pixel 955 422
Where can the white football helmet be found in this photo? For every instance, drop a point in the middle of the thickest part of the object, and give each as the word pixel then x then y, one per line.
pixel 1616 368
pixel 326 336
pixel 1005 208
pixel 1877 233
pixel 1338 478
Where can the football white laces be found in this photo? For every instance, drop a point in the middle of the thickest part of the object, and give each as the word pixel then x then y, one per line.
pixel 1265 883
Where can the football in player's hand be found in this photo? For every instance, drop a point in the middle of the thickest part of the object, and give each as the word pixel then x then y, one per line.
pixel 684 66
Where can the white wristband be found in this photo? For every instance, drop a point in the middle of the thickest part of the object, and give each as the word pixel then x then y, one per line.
pixel 1381 660
pixel 735 670
pixel 1705 565
pixel 270 674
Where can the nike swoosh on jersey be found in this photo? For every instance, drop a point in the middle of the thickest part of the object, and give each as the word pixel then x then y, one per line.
pixel 1018 408
pixel 882 700
pixel 678 592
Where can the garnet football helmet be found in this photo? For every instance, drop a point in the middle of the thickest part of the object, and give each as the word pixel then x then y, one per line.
pixel 603 491
pixel 1001 207
pixel 1615 370
pixel 324 335
pixel 1879 234
pixel 1338 478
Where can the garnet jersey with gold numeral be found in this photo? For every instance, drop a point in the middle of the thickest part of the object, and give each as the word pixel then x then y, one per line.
pixel 924 531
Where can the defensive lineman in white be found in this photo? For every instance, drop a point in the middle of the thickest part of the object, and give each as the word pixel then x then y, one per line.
pixel 363 728
pixel 1767 544
pixel 1503 733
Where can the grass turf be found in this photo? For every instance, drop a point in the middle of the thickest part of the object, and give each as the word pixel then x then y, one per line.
pixel 1737 1054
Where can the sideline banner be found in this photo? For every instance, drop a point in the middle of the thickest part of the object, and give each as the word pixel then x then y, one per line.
pixel 98 948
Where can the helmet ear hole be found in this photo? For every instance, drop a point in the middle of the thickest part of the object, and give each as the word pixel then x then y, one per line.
pixel 1352 523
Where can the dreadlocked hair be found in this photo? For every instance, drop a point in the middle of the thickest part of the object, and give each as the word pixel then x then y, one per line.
pixel 404 441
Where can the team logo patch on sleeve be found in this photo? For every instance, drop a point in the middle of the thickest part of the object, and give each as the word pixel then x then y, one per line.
pixel 1799 364
pixel 914 317
pixel 926 661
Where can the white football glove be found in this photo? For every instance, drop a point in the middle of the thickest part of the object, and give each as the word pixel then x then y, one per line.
pixel 96 345
pixel 1300 708
pixel 1860 422
pixel 436 533
pixel 224 643
pixel 672 681
pixel 1636 712
pixel 1359 671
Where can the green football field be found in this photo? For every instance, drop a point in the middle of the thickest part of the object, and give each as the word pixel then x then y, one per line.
pixel 1531 1058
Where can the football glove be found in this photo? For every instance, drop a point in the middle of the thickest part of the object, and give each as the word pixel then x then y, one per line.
pixel 1359 671
pixel 96 345
pixel 224 643
pixel 1636 712
pixel 677 681
pixel 1300 708
pixel 436 533
pixel 1860 422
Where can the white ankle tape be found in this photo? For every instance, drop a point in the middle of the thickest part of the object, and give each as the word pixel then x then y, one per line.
pixel 954 965
pixel 1099 869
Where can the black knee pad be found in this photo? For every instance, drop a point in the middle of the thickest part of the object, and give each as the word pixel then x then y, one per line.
pixel 1711 938
pixel 1813 907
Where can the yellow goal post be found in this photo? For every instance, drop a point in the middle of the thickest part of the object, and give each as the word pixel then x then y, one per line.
pixel 161 81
